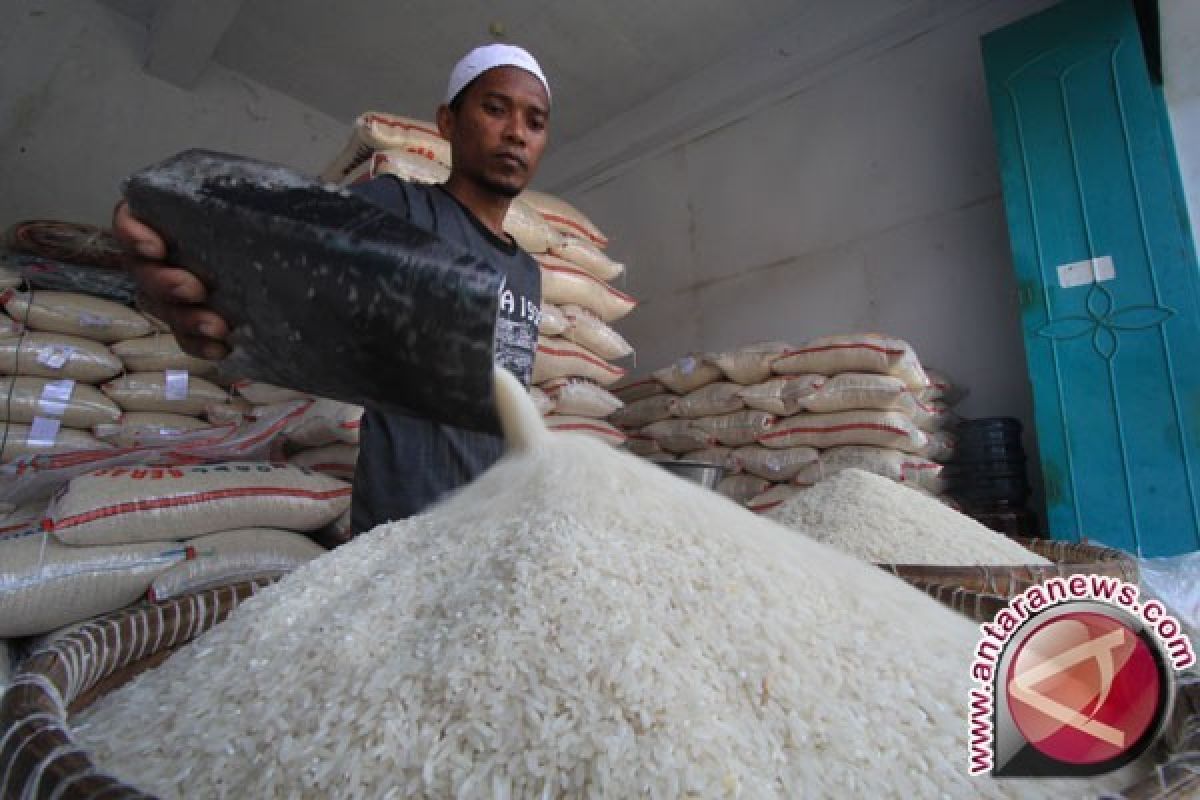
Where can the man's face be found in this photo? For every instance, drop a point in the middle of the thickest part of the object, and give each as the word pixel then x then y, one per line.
pixel 498 130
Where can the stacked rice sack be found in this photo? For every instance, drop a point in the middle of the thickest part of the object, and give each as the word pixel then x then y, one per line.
pixel 779 417
pixel 143 454
pixel 577 345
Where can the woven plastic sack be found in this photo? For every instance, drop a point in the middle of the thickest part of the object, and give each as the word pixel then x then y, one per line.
pixel 37 477
pixel 559 358
pixel 580 397
pixel 858 352
pixel 736 429
pixel 783 396
pixel 565 283
pixel 527 226
pixel 323 422
pixel 750 364
pixel 234 556
pixel 891 429
pixel 58 355
pixel 413 165
pixel 150 428
pixel 336 460
pixel 45 584
pixel 597 428
pixel 775 465
pixel 687 374
pixel 930 415
pixel 679 435
pixel 640 413
pixel 375 130
pixel 552 321
pixel 564 217
pixel 587 256
pixel 848 391
pixel 631 390
pixel 708 401
pixel 896 465
pixel 541 400
pixel 588 330
pixel 76 405
pixel 742 489
pixel 719 456
pixel 939 446
pixel 234 410
pixel 173 391
pixel 772 498
pixel 128 504
pixel 641 444
pixel 9 327
pixel 76 314
pixel 160 351
pixel 44 436
pixel 941 388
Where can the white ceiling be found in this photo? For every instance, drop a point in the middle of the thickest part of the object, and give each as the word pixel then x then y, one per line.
pixel 602 58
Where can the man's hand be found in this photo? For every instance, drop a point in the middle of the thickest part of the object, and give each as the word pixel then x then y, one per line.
pixel 174 295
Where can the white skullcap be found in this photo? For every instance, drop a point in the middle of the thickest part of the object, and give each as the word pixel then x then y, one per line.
pixel 490 56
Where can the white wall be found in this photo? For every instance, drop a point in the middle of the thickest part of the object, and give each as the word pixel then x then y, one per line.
pixel 78 113
pixel 1180 20
pixel 867 200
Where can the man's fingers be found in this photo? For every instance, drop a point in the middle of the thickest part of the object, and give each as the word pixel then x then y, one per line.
pixel 166 284
pixel 135 235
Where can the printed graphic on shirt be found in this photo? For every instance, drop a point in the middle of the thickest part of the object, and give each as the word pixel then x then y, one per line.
pixel 516 334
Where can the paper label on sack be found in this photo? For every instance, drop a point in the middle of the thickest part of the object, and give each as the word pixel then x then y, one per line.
pixel 177 384
pixel 55 356
pixel 55 396
pixel 43 432
pixel 90 320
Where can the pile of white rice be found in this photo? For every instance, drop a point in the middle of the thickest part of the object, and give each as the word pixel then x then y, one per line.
pixel 576 623
pixel 879 520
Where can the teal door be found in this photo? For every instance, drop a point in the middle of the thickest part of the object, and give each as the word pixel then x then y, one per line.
pixel 1107 274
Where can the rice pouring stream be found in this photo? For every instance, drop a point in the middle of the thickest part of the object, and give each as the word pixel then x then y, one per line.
pixel 575 623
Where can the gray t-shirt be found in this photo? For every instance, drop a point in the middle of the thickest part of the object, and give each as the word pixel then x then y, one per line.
pixel 406 463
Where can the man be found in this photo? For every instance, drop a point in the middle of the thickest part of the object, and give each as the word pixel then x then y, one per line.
pixel 495 115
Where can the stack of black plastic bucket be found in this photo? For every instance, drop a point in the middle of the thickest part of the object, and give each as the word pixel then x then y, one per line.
pixel 987 476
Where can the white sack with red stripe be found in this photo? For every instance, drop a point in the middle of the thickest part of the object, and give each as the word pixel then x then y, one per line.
pixel 858 352
pixel 782 396
pixel 736 429
pixel 641 444
pixel 532 233
pixel 266 394
pixel 586 329
pixel 750 364
pixel 848 391
pixel 159 351
pixel 891 429
pixel 579 397
pixel 774 497
pixel 59 356
pixel 719 456
pixel 552 321
pixel 234 556
pixel 337 460
pixel 18 440
pixel 323 422
pixel 679 435
pixel 721 397
pixel 132 504
pixel 558 358
pixel 633 389
pixel 742 488
pixel 640 413
pixel 778 465
pixel 409 164
pixel 566 283
pixel 688 374
pixel 45 585
pixel 940 445
pixel 906 468
pixel 564 217
pixel 375 130
pixel 597 428
pixel 541 400
pixel 584 254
